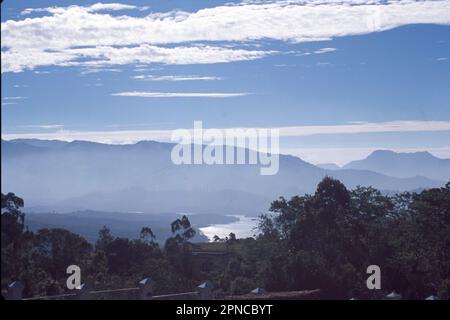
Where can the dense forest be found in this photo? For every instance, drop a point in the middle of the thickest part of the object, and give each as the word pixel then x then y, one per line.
pixel 323 241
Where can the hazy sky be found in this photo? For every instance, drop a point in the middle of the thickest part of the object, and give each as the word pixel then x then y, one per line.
pixel 345 77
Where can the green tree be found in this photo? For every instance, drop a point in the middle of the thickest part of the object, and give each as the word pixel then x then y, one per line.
pixel 147 235
pixel 182 229
pixel 104 238
pixel 13 237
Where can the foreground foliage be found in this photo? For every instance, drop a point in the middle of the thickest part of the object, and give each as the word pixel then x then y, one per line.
pixel 325 240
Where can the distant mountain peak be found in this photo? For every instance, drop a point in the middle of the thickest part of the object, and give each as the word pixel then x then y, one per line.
pixel 328 166
pixel 83 142
pixel 144 142
pixel 383 152
pixel 404 164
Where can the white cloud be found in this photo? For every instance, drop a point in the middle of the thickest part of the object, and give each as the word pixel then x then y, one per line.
pixel 132 136
pixel 14 98
pixel 98 70
pixel 442 59
pixel 93 8
pixel 319 51
pixel 150 124
pixel 112 39
pixel 367 127
pixel 115 7
pixel 44 126
pixel 11 100
pixel 145 94
pixel 324 50
pixel 33 10
pixel 101 56
pixel 150 77
pixel 98 84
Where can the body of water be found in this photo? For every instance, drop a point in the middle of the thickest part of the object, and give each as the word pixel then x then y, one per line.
pixel 243 228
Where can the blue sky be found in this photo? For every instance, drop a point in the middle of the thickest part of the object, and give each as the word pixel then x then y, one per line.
pixel 86 70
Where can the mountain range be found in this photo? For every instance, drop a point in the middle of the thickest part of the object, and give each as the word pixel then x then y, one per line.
pixel 80 175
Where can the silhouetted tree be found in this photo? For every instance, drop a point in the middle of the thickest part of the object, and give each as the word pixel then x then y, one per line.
pixel 147 235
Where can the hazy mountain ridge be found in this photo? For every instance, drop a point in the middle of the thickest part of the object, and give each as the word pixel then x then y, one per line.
pixel 199 202
pixel 141 177
pixel 404 165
